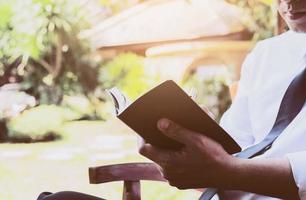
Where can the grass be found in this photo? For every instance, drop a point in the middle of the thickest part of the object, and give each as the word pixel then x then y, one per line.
pixel 28 169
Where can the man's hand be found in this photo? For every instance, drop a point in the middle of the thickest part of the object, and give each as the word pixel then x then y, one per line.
pixel 204 163
pixel 201 163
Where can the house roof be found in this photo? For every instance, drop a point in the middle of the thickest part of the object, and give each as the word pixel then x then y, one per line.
pixel 166 20
pixel 206 47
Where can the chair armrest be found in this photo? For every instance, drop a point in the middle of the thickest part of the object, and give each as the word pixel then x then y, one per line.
pixel 125 172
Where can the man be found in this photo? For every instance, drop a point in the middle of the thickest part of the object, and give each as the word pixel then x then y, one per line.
pixel 280 172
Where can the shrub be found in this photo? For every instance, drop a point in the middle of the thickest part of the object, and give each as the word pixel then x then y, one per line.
pixel 40 121
pixel 212 90
pixel 127 72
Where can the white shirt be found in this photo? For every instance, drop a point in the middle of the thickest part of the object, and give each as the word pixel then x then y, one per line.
pixel 266 74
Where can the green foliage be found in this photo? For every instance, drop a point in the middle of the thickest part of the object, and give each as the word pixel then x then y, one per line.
pixel 212 92
pixel 119 5
pixel 17 33
pixel 126 72
pixel 45 33
pixel 261 18
pixel 41 120
pixel 268 2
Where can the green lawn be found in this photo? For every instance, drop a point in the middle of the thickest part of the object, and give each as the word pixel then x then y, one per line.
pixel 28 169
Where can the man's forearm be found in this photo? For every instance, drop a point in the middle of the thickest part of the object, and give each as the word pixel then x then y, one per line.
pixel 270 177
pixel 204 163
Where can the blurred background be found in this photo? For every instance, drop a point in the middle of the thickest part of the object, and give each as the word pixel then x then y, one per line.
pixel 57 57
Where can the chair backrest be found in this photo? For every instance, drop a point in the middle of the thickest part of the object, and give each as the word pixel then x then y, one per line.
pixel 130 173
pixel 233 89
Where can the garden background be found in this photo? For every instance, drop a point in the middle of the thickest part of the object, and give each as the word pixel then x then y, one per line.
pixel 56 119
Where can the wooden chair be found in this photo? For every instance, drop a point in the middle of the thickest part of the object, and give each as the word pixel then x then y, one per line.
pixel 130 173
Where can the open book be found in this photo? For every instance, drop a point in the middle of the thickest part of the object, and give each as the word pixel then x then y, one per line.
pixel 168 100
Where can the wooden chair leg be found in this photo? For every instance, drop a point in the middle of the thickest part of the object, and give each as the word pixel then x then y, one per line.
pixel 131 190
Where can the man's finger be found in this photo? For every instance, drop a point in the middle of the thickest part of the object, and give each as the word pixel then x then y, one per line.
pixel 155 154
pixel 177 132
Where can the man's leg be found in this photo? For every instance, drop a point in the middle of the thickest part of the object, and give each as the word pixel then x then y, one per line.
pixel 67 195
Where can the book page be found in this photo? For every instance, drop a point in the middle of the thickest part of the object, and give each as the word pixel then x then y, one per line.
pixel 120 100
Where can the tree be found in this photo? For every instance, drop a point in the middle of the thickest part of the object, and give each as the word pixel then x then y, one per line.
pixel 55 61
pixel 262 16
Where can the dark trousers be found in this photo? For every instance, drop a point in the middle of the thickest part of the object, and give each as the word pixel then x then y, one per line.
pixel 67 195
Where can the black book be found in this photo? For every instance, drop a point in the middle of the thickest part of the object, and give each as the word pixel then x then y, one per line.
pixel 168 100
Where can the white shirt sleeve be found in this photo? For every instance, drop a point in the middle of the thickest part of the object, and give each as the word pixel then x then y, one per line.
pixel 236 120
pixel 298 166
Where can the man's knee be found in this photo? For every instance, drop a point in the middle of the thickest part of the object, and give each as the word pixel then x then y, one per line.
pixel 66 195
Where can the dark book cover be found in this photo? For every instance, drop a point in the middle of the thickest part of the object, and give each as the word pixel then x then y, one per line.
pixel 168 100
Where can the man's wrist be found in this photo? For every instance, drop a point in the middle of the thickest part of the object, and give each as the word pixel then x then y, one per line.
pixel 231 172
pixel 224 170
